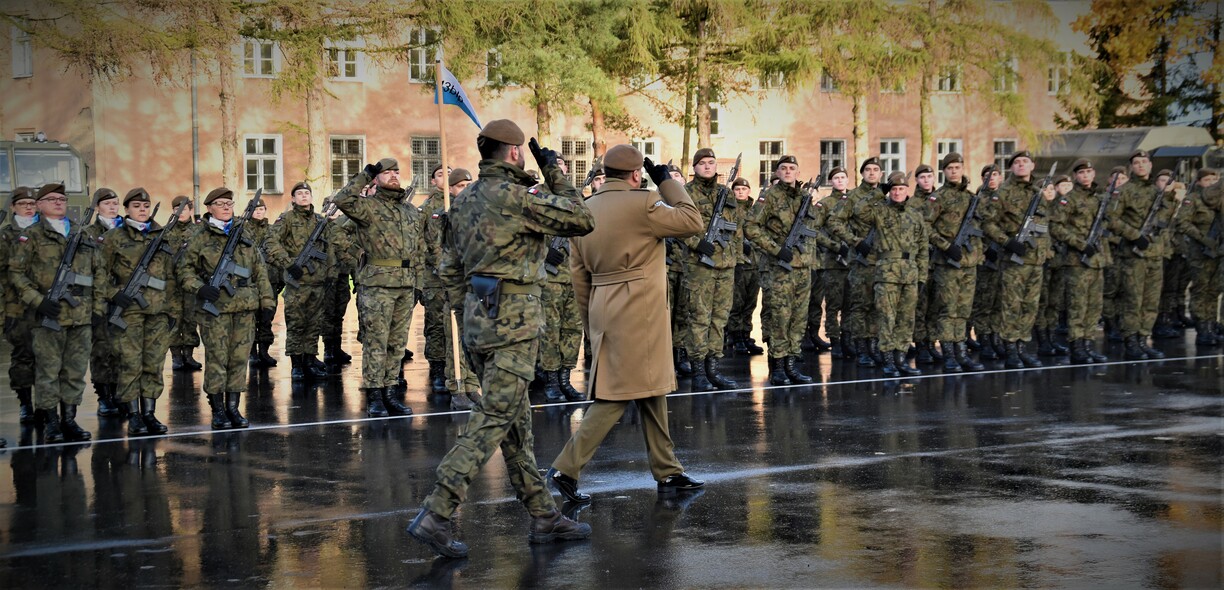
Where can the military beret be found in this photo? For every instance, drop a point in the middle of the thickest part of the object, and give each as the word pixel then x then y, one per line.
pixel 741 181
pixel 388 164
pixel 785 160
pixel 598 169
pixel 50 187
pixel 951 158
pixel 1081 164
pixel 837 170
pixel 923 169
pixel 898 178
pixel 104 194
pixel 674 168
pixel 1204 173
pixel 1119 170
pixel 1164 172
pixel 434 171
pixel 623 157
pixel 457 176
pixel 218 193
pixel 1061 178
pixel 703 153
pixel 21 193
pixel 179 200
pixel 987 169
pixel 136 194
pixel 1139 154
pixel 505 131
pixel 301 185
pixel 1019 154
pixel 534 174
pixel 868 162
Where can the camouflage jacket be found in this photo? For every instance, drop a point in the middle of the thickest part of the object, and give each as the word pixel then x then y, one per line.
pixel 100 226
pixel 1002 219
pixel 122 248
pixel 851 222
pixel 433 217
pixel 901 243
pixel 499 227
pixel 1133 204
pixel 344 244
pixel 1200 210
pixel 836 203
pixel 747 210
pixel 826 256
pixel 287 238
pixel 37 257
pixel 200 258
pixel 947 212
pixel 769 229
pixel 704 192
pixel 388 230
pixel 1074 214
pixel 13 307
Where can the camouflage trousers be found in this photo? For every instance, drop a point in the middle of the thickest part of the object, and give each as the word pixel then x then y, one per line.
pixel 833 283
pixel 385 315
pixel 562 327
pixel 710 298
pixel 1139 284
pixel 861 298
pixel 744 300
pixel 500 420
pixel 103 359
pixel 142 355
pixel 924 311
pixel 1053 297
pixel 186 331
pixel 433 299
pixel 953 288
pixel 471 381
pixel 1083 287
pixel 598 421
pixel 786 298
pixel 21 358
pixel 303 320
pixel 1205 289
pixel 63 356
pixel 227 343
pixel 816 302
pixel 984 317
pixel 1177 277
pixel 336 299
pixel 263 328
pixel 1019 296
pixel 678 302
pixel 894 304
pixel 1109 295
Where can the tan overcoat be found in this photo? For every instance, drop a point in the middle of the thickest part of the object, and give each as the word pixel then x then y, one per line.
pixel 620 280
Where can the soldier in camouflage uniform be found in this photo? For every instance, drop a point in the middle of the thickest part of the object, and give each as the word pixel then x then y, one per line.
pixel 433 293
pixel 185 335
pixel 786 291
pixel 1171 319
pixel 747 277
pixel 953 268
pixel 1053 284
pixel 141 345
pixel 562 325
pixel 303 322
pixel 63 353
pixel 18 317
pixel 1202 216
pixel 499 227
pixel 1140 256
pixel 900 249
pixel 836 267
pixel 823 261
pixel 259 230
pixel 389 231
pixel 464 388
pixel 850 225
pixel 984 317
pixel 926 201
pixel 1110 305
pixel 1086 262
pixel 339 293
pixel 1019 282
pixel 103 359
pixel 227 337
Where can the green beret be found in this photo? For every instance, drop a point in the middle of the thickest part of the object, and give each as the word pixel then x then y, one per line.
pixel 1204 173
pixel 623 157
pixel 434 170
pixel 1061 178
pixel 49 188
pixel 505 131
pixel 103 194
pixel 1139 154
pixel 951 158
pixel 457 176
pixel 1165 172
pixel 987 169
pixel 1120 170
pixel 868 162
pixel 786 160
pixel 837 170
pixel 741 181
pixel 1081 164
pixel 20 193
pixel 179 200
pixel 898 178
pixel 703 153
pixel 388 164
pixel 218 193
pixel 1019 154
pixel 136 194
pixel 923 169
pixel 301 185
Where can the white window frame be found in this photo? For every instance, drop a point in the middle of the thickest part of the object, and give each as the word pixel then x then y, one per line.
pixel 422 72
pixel 331 157
pixel 422 161
pixel 766 162
pixel 715 112
pixel 830 161
pixel 944 147
pixel 948 80
pixel 1009 81
pixel 771 81
pixel 23 54
pixel 493 63
pixel 1058 77
pixel 827 83
pixel 1001 159
pixel 278 157
pixel 891 161
pixel 344 53
pixel 255 45
pixel 24 136
pixel 577 153
pixel 649 146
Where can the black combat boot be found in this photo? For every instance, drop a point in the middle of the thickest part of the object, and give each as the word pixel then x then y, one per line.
pixel 753 349
pixel 1092 353
pixel 1113 329
pixel 220 420
pixel 556 527
pixel 253 357
pixel 393 405
pixel 1182 320
pixel 820 343
pixel 1029 360
pixel 315 369
pixel 176 358
pixel 264 357
pixel 790 365
pixel 739 343
pixel 552 388
pixel 864 353
pixel 106 399
pixel 461 401
pixel 924 356
pixel 936 355
pixel 903 365
pixel 333 354
pixel 136 426
pixel 72 431
pixel 1079 353
pixel 963 359
pixel 717 379
pixel 700 381
pixel 683 367
pixel 971 342
pixel 848 349
pixel 437 377
pixel 1204 335
pixel 232 400
pixel 437 533
pixel 407 358
pixel 777 372
pixel 374 397
pixel 807 342
pixel 25 408
pixel 1151 353
pixel 987 352
pixel 52 432
pixel 1059 349
pixel 1132 350
pixel 874 349
pixel 1000 346
pixel 148 413
pixel 570 392
pixel 889 366
pixel 1043 343
pixel 296 372
pixel 837 350
pixel 1164 327
pixel 951 364
pixel 189 359
pixel 1012 348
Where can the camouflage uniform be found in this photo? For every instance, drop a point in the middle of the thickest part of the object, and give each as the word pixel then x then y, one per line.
pixel 286 239
pixel 747 275
pixel 259 230
pixel 901 262
pixel 1140 272
pixel 786 293
pixel 498 227
pixel 18 318
pixel 834 273
pixel 562 324
pixel 984 316
pixel 953 287
pixel 1177 271
pixel 823 261
pixel 926 203
pixel 103 358
pixel 1019 283
pixel 185 333
pixel 1085 279
pixel 433 292
pixel 710 287
pixel 1202 209
pixel 678 293
pixel 340 288
pixel 851 223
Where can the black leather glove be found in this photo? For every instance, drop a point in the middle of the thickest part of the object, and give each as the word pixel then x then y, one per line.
pixel 373 169
pixel 992 255
pixel 657 172
pixel 1142 243
pixel 171 322
pixel 295 271
pixel 863 248
pixel 705 247
pixel 266 315
pixel 9 324
pixel 1017 248
pixel 785 254
pixel 544 157
pixel 97 321
pixel 954 253
pixel 747 248
pixel 49 308
pixel 208 293
pixel 844 251
pixel 121 300
pixel 1090 250
pixel 555 257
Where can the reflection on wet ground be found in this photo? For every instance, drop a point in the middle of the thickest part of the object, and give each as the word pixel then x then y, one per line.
pixel 1108 476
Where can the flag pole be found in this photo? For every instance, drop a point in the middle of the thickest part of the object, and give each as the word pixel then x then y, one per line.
pixel 457 371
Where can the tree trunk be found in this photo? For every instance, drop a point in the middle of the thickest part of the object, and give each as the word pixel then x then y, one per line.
pixel 231 158
pixel 316 137
pixel 599 145
pixel 543 120
pixel 1216 127
pixel 703 89
pixel 924 122
pixel 688 112
pixel 862 150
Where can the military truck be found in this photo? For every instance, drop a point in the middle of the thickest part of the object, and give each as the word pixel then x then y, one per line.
pixel 1181 149
pixel 35 163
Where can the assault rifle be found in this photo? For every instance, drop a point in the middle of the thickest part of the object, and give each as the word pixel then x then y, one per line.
pixel 3 215
pixel 1098 230
pixel 1213 234
pixel 719 230
pixel 1029 227
pixel 968 229
pixel 799 230
pixel 559 244
pixel 140 278
pixel 590 177
pixel 226 267
pixel 65 279
pixel 1151 225
pixel 310 252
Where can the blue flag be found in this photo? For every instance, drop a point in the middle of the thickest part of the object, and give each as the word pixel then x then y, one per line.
pixel 453 94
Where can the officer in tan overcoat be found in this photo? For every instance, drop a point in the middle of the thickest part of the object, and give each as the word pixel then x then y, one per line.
pixel 620 281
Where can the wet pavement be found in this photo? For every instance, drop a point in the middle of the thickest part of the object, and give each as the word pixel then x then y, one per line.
pixel 1108 476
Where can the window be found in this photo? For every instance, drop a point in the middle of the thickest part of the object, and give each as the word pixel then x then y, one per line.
pixel 36 167
pixel 493 64
pixel 832 154
pixel 944 147
pixel 259 59
pixel 770 151
pixel 648 147
pixel 827 83
pixel 426 153
pixel 1002 149
pixel 1058 76
pixel 772 80
pixel 892 156
pixel 23 54
pixel 714 119
pixel 344 63
pixel 949 79
pixel 1008 76
pixel 262 155
pixel 347 158
pixel 576 152
pixel 421 42
pixel 6 180
pixel 25 136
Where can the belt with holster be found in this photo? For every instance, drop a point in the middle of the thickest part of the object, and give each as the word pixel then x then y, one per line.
pixel 391 262
pixel 894 256
pixel 488 290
